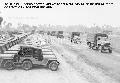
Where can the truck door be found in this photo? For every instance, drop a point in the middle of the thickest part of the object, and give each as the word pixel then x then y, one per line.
pixel 37 54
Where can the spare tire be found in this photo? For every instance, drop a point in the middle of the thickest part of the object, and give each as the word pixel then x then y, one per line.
pixel 53 65
pixel 110 51
pixel 27 65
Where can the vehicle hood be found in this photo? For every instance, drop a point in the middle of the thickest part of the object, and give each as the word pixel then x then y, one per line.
pixel 49 56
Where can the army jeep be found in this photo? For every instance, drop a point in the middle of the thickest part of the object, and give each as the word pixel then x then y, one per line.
pixel 28 56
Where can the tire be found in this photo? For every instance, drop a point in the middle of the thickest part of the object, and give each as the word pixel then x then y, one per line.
pixel 27 65
pixel 71 40
pixel 2 63
pixel 93 47
pixel 110 51
pixel 102 51
pixel 9 65
pixel 53 65
pixel 89 44
pixel 99 48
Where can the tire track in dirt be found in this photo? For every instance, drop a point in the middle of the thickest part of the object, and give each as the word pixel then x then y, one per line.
pixel 105 70
pixel 85 74
pixel 95 66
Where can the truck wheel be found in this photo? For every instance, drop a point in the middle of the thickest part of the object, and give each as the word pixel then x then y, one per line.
pixel 9 65
pixel 94 47
pixel 53 65
pixel 110 51
pixel 89 45
pixel 27 65
pixel 102 50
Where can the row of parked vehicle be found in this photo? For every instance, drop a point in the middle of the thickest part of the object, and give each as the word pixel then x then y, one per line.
pixel 28 56
pixel 10 43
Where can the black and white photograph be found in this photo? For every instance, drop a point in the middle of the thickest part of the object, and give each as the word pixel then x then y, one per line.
pixel 59 41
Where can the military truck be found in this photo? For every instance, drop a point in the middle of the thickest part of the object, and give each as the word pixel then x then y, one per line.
pixel 75 37
pixel 29 56
pixel 60 34
pixel 53 33
pixel 99 41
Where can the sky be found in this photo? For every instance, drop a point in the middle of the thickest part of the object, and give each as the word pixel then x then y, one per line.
pixel 63 15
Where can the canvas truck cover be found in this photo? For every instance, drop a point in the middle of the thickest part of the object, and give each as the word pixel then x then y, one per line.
pixel 92 37
pixel 101 35
pixel 75 34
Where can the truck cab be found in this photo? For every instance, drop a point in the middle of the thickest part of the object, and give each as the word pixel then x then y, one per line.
pixel 99 41
pixel 60 34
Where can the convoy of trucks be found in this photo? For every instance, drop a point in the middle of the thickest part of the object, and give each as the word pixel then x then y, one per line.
pixel 99 41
